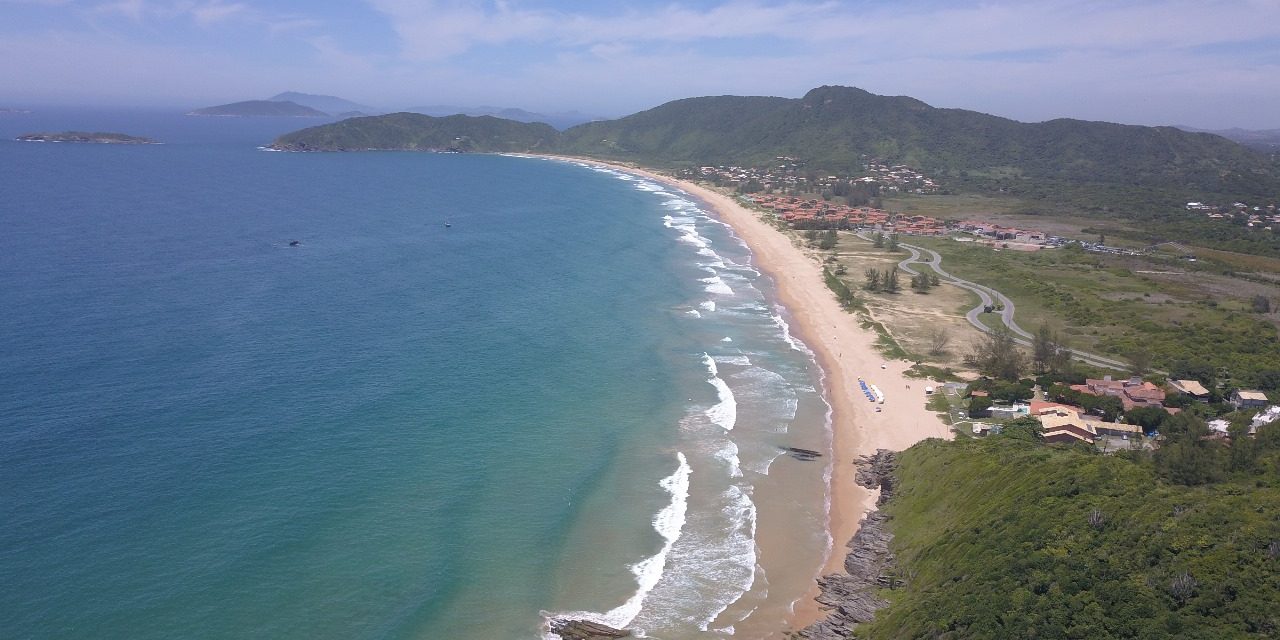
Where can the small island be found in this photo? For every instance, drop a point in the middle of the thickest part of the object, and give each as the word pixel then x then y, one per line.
pixel 97 137
pixel 260 108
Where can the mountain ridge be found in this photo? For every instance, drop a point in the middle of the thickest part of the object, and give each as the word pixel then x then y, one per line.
pixel 840 129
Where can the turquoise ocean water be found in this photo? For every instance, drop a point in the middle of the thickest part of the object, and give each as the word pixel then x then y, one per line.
pixel 569 401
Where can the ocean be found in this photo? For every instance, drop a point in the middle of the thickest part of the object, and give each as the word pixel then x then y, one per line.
pixel 478 392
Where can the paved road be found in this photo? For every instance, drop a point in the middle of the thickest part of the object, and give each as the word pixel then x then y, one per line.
pixel 989 298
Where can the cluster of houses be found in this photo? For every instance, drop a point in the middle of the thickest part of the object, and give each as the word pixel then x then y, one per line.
pixel 1258 216
pixel 897 178
pixel 788 176
pixel 1063 423
pixel 1011 237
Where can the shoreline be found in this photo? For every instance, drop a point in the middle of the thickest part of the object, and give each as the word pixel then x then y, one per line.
pixel 844 351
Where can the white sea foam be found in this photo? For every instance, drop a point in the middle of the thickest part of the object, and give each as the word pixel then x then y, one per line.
pixel 708 305
pixel 669 523
pixel 739 361
pixel 733 562
pixel 786 334
pixel 693 312
pixel 726 339
pixel 729 454
pixel 725 411
pixel 715 284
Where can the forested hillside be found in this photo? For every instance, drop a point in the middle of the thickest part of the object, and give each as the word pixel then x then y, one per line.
pixel 839 128
pixel 1011 538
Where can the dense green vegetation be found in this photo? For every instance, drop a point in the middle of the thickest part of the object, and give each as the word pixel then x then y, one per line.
pixel 416 132
pixel 1010 538
pixel 260 108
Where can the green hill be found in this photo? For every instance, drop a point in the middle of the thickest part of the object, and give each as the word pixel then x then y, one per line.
pixel 258 108
pixel 839 128
pixel 417 132
pixel 1091 166
pixel 1010 538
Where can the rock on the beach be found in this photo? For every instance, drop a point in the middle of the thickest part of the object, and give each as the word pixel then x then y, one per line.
pixel 852 596
pixel 585 630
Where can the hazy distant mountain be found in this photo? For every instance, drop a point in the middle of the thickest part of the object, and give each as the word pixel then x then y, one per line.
pixel 328 104
pixel 252 108
pixel 561 120
pixel 1264 139
pixel 418 132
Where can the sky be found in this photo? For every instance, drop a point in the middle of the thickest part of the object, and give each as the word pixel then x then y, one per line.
pixel 1204 63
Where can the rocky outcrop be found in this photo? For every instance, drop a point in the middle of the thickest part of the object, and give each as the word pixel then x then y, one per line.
pixel 585 630
pixel 852 596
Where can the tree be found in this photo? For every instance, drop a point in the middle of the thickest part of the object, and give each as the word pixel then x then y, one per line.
pixel 891 281
pixel 933 280
pixel 1109 407
pixel 1042 349
pixel 979 407
pixel 1149 418
pixel 939 338
pixel 828 240
pixel 1024 428
pixel 893 243
pixel 873 279
pixel 877 240
pixel 1139 362
pixel 996 354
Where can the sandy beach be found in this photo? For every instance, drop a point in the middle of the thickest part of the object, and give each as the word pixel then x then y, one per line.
pixel 845 351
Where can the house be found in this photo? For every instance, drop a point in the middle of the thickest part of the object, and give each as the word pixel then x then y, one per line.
pixel 1246 398
pixel 1065 425
pixel 1134 392
pixel 1191 388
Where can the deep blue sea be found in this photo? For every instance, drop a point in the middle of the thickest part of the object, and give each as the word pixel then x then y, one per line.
pixel 568 401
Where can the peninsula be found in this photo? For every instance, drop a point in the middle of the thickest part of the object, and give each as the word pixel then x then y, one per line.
pixel 97 137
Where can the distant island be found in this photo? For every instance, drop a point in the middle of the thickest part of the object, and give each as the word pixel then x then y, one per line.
pixel 260 108
pixel 97 137
pixel 15 110
pixel 341 107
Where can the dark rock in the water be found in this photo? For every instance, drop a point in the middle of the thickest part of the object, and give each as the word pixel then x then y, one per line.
pixel 852 597
pixel 585 630
pixel 806 455
pixel 295 243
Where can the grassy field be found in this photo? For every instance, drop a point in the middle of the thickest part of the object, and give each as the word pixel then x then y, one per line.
pixel 1113 306
pixel 909 317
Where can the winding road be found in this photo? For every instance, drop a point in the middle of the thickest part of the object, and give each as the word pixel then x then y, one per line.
pixel 989 298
